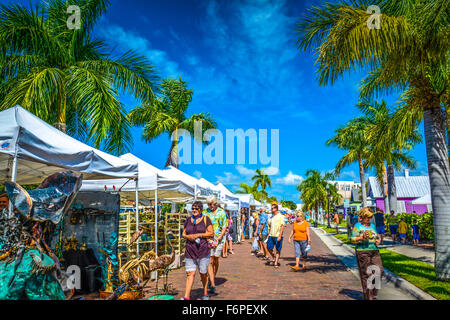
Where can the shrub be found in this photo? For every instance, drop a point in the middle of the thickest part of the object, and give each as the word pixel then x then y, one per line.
pixel 424 221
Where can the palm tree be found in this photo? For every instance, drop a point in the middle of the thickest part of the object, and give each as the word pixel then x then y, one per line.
pixel 253 190
pixel 334 197
pixel 352 138
pixel 410 52
pixel 261 179
pixel 246 189
pixel 387 143
pixel 66 77
pixel 167 115
pixel 313 190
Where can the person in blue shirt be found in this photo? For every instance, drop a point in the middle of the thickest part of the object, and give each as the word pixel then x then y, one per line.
pixel 263 232
pixel 415 233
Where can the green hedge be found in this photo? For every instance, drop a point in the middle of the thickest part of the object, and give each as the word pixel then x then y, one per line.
pixel 424 221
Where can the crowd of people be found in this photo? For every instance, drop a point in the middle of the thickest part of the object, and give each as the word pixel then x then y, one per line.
pixel 267 237
pixel 209 235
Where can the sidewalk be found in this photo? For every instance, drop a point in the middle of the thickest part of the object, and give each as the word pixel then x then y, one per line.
pixel 347 256
pixel 422 253
pixel 393 287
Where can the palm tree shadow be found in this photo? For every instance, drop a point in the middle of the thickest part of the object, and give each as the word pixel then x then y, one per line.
pixel 357 295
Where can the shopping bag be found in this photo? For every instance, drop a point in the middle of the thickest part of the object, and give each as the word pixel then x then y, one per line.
pixel 255 246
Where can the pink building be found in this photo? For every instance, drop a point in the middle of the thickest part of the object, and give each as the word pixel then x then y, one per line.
pixel 408 189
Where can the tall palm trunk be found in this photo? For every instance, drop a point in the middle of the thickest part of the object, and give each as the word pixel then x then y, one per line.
pixel 61 116
pixel 392 191
pixel 439 175
pixel 317 213
pixel 447 116
pixel 172 159
pixel 363 182
pixel 385 191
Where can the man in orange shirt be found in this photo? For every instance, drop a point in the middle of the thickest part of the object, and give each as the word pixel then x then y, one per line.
pixel 302 238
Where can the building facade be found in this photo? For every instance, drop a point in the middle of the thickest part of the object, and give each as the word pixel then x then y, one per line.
pixel 408 189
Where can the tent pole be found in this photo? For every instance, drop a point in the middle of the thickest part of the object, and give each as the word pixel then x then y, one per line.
pixel 13 179
pixel 137 215
pixel 156 221
pixel 240 222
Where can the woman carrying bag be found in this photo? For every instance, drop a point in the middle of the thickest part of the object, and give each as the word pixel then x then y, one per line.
pixel 302 240
pixel 197 230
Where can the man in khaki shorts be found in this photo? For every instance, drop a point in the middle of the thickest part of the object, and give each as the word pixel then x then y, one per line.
pixel 219 221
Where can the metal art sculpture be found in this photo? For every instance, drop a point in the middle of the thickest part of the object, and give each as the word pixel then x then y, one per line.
pixel 28 267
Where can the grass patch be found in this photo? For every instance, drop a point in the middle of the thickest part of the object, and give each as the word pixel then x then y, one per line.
pixel 330 230
pixel 343 238
pixel 419 273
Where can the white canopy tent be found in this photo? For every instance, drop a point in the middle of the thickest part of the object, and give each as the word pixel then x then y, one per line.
pixel 31 150
pixel 153 184
pixel 214 190
pixel 246 200
pixel 226 194
pixel 201 191
pixel 151 181
pixel 231 200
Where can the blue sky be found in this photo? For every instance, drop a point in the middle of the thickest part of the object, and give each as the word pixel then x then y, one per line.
pixel 240 59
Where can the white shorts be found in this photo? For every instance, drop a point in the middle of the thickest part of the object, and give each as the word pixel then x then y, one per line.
pixel 192 264
pixel 217 251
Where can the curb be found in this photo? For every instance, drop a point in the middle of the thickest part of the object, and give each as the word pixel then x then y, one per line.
pixel 397 281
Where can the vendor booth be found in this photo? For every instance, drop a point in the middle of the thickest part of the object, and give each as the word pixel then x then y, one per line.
pixel 231 203
pixel 31 151
pixel 154 185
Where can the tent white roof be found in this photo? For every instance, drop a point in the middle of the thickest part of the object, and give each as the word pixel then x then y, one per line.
pixel 42 150
pixel 246 200
pixel 150 179
pixel 174 173
pixel 211 186
pixel 226 194
pixel 426 199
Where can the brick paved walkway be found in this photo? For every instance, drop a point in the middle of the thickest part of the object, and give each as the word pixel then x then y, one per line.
pixel 243 276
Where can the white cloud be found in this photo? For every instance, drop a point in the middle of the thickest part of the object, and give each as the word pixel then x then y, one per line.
pixel 198 174
pixel 271 171
pixel 349 174
pixel 245 171
pixel 290 179
pixel 131 40
pixel 251 39
pixel 229 179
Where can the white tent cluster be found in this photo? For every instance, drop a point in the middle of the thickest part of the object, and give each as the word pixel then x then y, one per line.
pixel 31 150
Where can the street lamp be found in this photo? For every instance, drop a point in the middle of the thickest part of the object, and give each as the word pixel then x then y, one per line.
pixel 328 203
